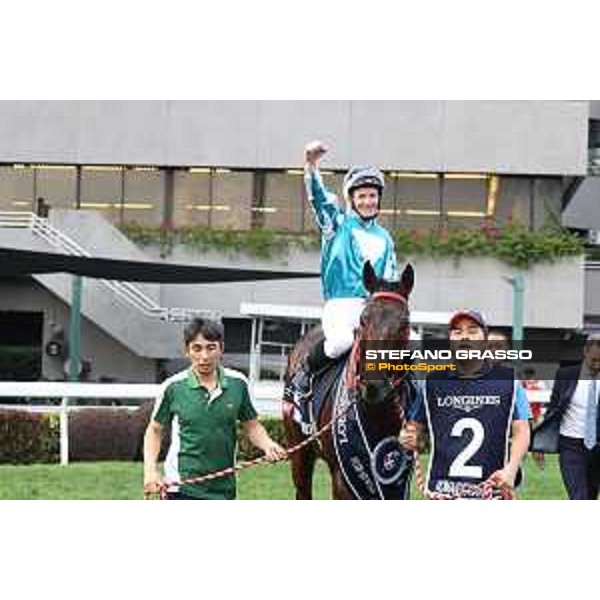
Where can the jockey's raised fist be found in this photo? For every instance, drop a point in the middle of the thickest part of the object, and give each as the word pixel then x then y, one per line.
pixel 314 151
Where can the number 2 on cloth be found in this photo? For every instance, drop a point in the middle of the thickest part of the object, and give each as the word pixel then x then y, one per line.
pixel 459 466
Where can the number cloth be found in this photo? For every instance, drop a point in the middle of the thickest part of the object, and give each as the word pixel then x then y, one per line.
pixel 469 420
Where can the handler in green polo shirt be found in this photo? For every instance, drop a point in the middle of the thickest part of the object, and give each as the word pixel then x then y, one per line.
pixel 203 404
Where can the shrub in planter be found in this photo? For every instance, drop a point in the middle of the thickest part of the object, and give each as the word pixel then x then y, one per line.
pixel 27 438
pixel 274 427
pixel 96 434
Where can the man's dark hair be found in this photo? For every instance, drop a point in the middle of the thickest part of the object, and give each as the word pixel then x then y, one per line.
pixel 211 330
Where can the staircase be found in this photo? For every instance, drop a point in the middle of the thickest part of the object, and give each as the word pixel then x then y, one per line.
pixel 130 313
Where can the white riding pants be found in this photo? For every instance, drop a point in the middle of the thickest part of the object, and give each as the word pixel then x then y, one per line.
pixel 341 316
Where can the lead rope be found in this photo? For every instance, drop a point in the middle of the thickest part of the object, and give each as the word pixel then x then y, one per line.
pixel 165 485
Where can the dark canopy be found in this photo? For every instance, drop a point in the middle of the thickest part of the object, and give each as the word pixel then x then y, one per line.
pixel 14 262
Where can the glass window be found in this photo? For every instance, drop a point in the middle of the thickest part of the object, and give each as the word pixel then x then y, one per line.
pixel 192 198
pixel 513 201
pixel 56 184
pixel 232 200
pixel 16 188
pixel 465 200
pixel 547 202
pixel 417 200
pixel 144 196
pixel 387 210
pixel 282 201
pixel 594 145
pixel 102 191
pixel 594 133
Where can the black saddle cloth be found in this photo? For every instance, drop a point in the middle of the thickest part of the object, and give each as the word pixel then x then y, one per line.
pixel 324 381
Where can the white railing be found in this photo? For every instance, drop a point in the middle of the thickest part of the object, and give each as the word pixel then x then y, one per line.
pixel 65 391
pixel 266 397
pixel 125 290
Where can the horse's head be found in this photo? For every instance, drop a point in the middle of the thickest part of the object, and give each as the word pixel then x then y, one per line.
pixel 386 317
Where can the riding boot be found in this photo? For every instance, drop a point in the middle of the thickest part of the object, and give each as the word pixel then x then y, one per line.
pixel 302 381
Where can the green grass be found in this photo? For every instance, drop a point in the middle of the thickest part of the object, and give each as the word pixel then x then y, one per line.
pixel 122 481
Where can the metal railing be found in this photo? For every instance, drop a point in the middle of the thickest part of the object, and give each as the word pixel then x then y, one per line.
pixel 123 289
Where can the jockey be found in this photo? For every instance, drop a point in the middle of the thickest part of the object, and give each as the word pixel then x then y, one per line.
pixel 349 238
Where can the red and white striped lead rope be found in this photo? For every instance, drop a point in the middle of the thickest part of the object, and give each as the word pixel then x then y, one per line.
pixel 165 485
pixel 488 487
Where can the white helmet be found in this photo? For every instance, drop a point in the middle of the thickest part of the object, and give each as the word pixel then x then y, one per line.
pixel 358 177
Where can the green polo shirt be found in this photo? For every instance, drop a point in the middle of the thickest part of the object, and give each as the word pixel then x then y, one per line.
pixel 203 432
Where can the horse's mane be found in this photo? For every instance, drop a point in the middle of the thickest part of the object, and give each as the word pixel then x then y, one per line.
pixel 301 349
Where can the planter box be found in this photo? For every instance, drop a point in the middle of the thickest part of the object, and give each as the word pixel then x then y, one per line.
pixel 554 292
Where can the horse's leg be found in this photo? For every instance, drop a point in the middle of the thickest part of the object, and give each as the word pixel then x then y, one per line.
pixel 303 465
pixel 302 461
pixel 339 490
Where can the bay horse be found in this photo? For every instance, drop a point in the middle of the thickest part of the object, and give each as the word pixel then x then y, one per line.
pixel 378 407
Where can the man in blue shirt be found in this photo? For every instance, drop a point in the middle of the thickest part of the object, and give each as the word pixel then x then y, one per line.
pixel 470 414
pixel 350 237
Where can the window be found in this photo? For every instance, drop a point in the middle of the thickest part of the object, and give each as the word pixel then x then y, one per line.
pixel 594 133
pixel 16 188
pixel 192 198
pixel 465 200
pixel 514 200
pixel 144 192
pixel 56 184
pixel 102 191
pixel 388 212
pixel 232 200
pixel 282 201
pixel 417 200
pixel 215 198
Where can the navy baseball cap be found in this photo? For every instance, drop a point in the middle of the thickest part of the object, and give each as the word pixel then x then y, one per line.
pixel 469 313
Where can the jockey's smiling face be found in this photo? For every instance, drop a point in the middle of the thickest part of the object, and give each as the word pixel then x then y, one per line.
pixel 366 201
pixel 204 355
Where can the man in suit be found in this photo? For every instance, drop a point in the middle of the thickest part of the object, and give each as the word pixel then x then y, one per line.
pixel 571 425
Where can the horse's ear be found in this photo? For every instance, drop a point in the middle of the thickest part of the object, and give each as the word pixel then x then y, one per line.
pixel 407 281
pixel 369 277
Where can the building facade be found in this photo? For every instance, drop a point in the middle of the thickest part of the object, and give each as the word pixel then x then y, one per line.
pixel 237 166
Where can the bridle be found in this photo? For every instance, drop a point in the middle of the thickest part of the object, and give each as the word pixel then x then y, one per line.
pixel 394 296
pixel 354 380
